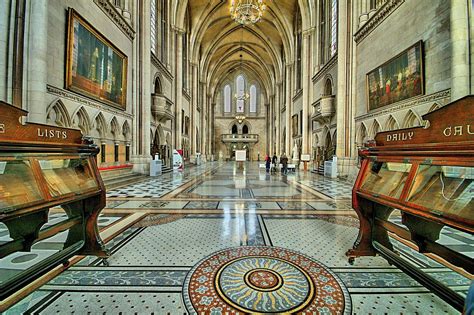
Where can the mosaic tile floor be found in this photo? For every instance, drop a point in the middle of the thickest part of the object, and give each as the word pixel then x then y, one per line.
pixel 208 209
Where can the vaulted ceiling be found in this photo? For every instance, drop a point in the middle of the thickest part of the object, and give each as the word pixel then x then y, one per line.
pixel 221 46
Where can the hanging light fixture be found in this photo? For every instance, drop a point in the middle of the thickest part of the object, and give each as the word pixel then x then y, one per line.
pixel 240 118
pixel 247 11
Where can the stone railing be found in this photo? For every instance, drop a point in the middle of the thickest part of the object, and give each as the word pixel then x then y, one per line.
pixel 161 108
pixel 251 138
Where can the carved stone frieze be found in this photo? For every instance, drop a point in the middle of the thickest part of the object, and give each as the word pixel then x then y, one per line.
pixel 445 94
pixel 116 17
pixel 85 101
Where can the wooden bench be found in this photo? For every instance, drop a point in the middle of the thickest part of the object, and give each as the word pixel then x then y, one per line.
pixel 44 167
pixel 427 174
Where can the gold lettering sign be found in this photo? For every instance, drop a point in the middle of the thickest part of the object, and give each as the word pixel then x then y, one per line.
pixel 50 133
pixel 400 136
pixel 458 130
pixel 2 128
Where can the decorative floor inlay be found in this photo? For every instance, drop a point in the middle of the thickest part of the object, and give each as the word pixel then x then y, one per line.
pixel 260 279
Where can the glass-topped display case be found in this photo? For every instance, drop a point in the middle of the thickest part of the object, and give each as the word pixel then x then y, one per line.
pixel 426 174
pixel 40 174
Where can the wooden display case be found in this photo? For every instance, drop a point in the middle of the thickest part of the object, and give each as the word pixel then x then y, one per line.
pixel 428 174
pixel 43 167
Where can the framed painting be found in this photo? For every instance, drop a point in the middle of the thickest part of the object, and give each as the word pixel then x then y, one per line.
pixel 400 78
pixel 294 125
pixel 94 66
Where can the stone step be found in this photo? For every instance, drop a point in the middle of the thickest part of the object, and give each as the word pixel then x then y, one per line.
pixel 128 179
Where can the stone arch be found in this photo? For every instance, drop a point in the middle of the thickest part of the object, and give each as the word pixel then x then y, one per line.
pixel 82 121
pixel 158 87
pixel 115 127
pixel 374 129
pixel 362 135
pixel 411 120
pixel 126 131
pixel 161 135
pixel 245 129
pixel 391 123
pixel 58 114
pixel 100 125
pixel 434 107
pixel 234 130
pixel 328 86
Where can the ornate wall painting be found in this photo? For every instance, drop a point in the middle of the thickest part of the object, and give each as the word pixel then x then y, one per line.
pixel 94 66
pixel 294 125
pixel 398 79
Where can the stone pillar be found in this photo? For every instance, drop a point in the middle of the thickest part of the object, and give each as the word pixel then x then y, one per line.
pixel 5 48
pixel 126 11
pixel 142 139
pixel 193 106
pixel 278 119
pixel 460 85
pixel 179 88
pixel 288 110
pixel 306 89
pixel 344 113
pixel 37 62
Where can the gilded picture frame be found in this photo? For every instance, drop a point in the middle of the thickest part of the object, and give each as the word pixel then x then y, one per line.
pixel 95 67
pixel 400 78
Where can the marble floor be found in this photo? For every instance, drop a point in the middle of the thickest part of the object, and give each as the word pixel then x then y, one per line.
pixel 215 211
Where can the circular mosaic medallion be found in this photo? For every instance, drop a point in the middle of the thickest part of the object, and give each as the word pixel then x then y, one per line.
pixel 260 279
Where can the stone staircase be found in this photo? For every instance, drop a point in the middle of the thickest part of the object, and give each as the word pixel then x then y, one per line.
pixel 114 178
pixel 319 171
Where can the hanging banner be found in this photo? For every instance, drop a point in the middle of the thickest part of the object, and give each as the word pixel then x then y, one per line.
pixel 178 164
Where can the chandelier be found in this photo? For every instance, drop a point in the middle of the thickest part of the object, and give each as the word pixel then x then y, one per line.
pixel 247 11
pixel 240 118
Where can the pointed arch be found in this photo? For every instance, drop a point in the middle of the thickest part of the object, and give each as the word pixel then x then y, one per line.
pixel 100 125
pixel 115 127
pixel 82 121
pixel 126 131
pixel 158 87
pixel 391 124
pixel 362 134
pixel 434 107
pixel 411 120
pixel 375 129
pixel 58 114
pixel 328 90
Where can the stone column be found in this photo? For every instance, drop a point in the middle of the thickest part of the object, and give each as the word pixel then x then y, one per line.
pixel 5 48
pixel 179 88
pixel 288 110
pixel 142 139
pixel 460 85
pixel 306 88
pixel 344 114
pixel 126 12
pixel 37 62
pixel 278 118
pixel 194 106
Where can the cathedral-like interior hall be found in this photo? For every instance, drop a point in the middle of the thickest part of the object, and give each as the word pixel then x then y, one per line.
pixel 236 157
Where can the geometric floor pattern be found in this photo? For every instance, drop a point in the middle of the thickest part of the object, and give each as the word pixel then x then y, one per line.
pixel 216 208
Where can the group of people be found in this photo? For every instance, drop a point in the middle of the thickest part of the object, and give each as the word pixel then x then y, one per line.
pixel 273 162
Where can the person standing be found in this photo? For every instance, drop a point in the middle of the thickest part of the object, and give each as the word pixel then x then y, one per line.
pixel 274 162
pixel 284 163
pixel 267 163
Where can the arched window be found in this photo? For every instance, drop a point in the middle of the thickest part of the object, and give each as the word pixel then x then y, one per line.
pixel 164 30
pixel 245 130
pixel 234 129
pixel 253 99
pixel 240 85
pixel 158 89
pixel 333 27
pixel 227 99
